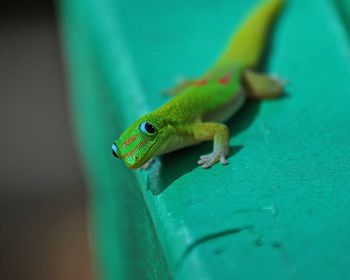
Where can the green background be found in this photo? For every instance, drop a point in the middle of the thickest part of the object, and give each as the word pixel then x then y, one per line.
pixel 280 209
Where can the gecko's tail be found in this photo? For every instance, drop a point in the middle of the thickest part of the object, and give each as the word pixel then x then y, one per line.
pixel 247 44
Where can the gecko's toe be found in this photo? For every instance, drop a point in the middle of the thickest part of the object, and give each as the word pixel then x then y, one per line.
pixel 223 160
pixel 207 161
pixel 205 166
pixel 147 164
pixel 205 157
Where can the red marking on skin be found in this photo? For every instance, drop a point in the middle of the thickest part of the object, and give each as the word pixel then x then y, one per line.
pixel 139 146
pixel 224 80
pixel 129 140
pixel 200 82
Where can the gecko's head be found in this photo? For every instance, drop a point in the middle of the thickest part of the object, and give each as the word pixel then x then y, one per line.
pixel 140 141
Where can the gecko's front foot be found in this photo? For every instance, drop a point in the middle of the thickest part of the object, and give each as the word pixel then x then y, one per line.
pixel 207 161
pixel 147 165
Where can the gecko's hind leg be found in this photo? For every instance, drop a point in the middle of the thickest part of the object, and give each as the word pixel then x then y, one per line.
pixel 261 86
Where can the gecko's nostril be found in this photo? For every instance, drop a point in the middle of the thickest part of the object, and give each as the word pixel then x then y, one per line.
pixel 115 150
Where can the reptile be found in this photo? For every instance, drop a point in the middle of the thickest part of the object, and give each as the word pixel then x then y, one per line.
pixel 200 106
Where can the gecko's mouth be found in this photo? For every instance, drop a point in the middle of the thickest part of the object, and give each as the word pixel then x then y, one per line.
pixel 138 162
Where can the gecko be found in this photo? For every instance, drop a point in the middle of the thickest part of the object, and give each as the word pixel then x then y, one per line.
pixel 199 107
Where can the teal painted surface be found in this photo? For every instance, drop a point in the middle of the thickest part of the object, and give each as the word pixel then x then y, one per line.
pixel 279 210
pixel 121 228
pixel 344 12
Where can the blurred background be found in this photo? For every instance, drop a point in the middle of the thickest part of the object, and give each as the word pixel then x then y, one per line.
pixel 43 201
pixel 44 229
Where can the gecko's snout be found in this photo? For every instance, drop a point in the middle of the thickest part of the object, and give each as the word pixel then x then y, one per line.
pixel 115 150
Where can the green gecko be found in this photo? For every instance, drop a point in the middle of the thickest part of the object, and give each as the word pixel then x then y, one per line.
pixel 198 108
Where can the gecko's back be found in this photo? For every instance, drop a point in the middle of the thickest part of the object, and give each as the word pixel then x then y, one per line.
pixel 221 85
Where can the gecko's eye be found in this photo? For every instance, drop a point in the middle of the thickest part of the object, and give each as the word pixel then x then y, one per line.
pixel 115 150
pixel 147 128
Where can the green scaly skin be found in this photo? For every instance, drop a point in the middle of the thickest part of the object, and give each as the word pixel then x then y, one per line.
pixel 195 113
